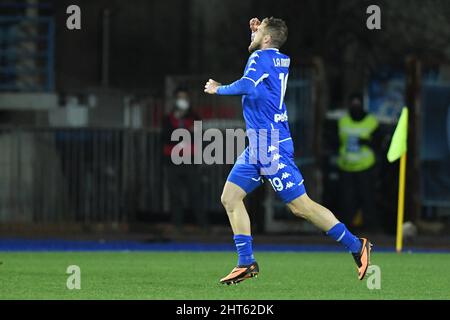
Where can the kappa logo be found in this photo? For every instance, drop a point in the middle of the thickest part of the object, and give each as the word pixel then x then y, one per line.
pixel 281 166
pixel 276 156
pixel 280 117
pixel 272 148
pixel 285 175
pixel 289 185
pixel 252 62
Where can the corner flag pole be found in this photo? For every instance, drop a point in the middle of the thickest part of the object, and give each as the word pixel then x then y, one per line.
pixel 401 203
pixel 397 150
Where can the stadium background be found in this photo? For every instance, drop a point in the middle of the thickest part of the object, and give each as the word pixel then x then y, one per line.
pixel 81 113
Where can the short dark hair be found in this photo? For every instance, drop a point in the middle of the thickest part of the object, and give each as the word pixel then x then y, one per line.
pixel 277 29
pixel 356 95
pixel 180 89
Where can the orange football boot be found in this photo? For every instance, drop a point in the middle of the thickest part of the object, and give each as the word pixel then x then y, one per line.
pixel 240 273
pixel 362 258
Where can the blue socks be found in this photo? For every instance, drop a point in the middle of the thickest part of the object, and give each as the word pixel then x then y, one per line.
pixel 244 249
pixel 341 234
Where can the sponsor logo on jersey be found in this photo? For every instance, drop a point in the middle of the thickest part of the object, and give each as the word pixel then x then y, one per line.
pixel 280 117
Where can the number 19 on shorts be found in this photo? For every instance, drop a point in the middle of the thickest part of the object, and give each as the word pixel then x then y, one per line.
pixel 276 183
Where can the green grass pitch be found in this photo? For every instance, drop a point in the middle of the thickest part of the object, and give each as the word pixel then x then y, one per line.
pixel 194 275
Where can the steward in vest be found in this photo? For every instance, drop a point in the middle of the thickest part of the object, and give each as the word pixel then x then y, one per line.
pixel 358 137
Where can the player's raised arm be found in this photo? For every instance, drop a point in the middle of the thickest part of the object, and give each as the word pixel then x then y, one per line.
pixel 254 71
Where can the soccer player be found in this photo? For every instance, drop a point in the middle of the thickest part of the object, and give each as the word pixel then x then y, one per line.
pixel 262 88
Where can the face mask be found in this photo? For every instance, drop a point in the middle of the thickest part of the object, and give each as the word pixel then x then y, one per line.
pixel 182 104
pixel 357 112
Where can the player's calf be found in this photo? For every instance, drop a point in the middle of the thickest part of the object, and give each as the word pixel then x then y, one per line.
pixel 325 220
pixel 310 210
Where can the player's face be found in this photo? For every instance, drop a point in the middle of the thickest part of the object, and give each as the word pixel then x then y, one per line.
pixel 257 39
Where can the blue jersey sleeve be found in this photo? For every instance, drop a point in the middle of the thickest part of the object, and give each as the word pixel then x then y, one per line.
pixel 239 87
pixel 254 73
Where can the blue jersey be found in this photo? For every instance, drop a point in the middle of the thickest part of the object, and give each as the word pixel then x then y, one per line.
pixel 263 87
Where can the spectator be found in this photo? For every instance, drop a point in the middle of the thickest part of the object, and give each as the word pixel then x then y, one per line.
pixel 183 179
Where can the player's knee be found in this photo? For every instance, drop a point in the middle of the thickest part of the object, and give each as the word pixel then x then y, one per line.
pixel 228 202
pixel 224 201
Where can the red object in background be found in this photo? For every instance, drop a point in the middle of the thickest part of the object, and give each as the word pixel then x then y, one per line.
pixel 226 112
pixel 220 112
pixel 174 123
pixel 187 122
pixel 204 112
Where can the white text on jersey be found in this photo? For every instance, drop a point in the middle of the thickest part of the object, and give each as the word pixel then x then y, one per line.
pixel 280 117
pixel 281 62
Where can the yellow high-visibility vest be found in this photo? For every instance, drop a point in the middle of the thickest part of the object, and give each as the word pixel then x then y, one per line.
pixel 354 156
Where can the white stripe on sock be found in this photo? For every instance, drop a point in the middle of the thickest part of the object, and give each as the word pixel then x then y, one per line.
pixel 342 235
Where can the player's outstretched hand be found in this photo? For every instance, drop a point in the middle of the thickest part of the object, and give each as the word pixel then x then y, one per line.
pixel 211 86
pixel 254 23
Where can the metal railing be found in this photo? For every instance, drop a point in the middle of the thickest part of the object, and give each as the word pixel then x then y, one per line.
pixel 79 175
pixel 85 175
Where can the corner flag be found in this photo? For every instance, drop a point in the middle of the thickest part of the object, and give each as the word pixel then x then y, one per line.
pixel 399 140
pixel 397 150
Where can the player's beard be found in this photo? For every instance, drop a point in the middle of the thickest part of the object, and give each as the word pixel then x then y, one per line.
pixel 254 46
